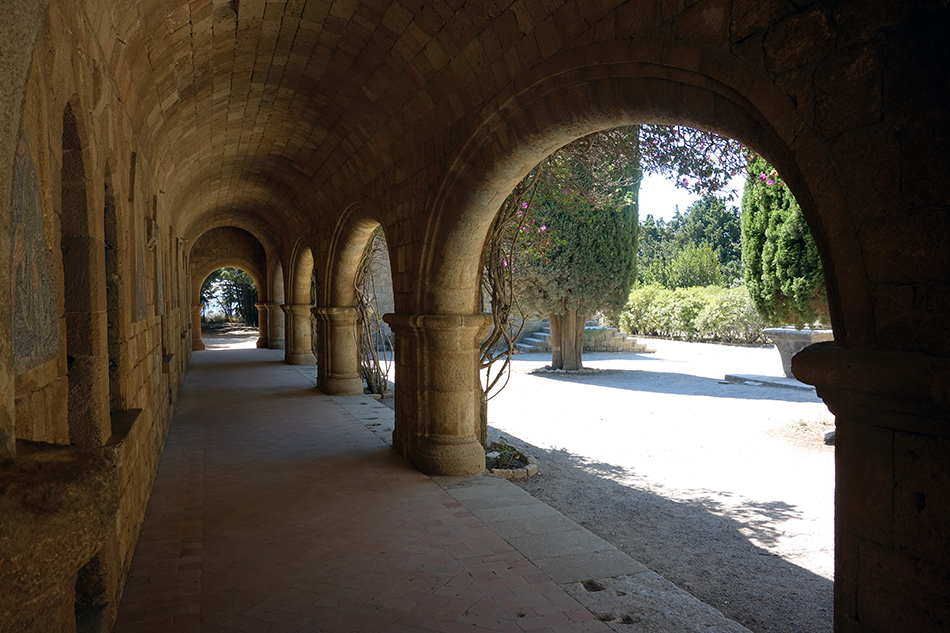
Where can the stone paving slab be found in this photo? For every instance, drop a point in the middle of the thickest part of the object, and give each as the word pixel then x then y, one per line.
pixel 275 510
pixel 632 598
pixel 756 380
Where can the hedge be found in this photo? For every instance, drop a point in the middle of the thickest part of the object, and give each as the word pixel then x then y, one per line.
pixel 709 313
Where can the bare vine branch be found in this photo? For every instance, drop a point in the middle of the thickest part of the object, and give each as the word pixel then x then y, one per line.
pixel 374 339
pixel 506 231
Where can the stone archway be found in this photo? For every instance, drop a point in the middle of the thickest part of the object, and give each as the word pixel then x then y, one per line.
pixel 228 246
pixel 339 367
pixel 888 398
pixel 561 102
pixel 198 279
pixel 299 339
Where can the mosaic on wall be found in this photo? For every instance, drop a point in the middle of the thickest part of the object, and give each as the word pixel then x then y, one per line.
pixel 35 326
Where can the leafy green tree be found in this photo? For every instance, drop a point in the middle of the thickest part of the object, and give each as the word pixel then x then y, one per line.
pixel 581 255
pixel 707 221
pixel 710 221
pixel 694 265
pixel 782 267
pixel 581 246
pixel 234 291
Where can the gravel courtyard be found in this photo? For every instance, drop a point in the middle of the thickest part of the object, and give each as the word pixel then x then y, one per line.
pixel 725 489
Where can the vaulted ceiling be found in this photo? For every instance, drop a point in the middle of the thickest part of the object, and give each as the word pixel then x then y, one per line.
pixel 272 104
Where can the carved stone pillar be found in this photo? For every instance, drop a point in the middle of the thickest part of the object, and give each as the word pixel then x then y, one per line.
pixel 299 350
pixel 338 367
pixel 437 391
pixel 196 342
pixel 275 319
pixel 892 484
pixel 262 325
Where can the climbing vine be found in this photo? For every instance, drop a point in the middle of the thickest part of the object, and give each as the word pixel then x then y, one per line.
pixel 374 338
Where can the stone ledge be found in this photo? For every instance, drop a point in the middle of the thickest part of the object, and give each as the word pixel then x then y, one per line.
pixel 518 473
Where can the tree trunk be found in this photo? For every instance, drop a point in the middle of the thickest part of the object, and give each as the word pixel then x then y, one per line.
pixel 567 340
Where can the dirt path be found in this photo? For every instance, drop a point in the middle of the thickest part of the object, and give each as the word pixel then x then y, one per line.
pixel 724 489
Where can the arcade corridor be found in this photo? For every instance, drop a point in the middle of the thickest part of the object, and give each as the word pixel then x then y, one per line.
pixel 145 143
pixel 275 510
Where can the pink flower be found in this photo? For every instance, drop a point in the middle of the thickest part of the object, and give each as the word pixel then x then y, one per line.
pixel 770 182
pixel 762 177
pixel 524 205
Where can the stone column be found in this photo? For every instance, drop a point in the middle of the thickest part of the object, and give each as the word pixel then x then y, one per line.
pixel 299 350
pixel 338 366
pixel 892 484
pixel 437 391
pixel 262 325
pixel 196 342
pixel 275 318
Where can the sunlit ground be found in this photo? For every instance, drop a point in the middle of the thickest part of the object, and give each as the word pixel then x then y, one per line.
pixel 665 423
pixel 230 337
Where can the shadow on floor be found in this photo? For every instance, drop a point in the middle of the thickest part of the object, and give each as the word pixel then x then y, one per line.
pixel 681 384
pixel 702 545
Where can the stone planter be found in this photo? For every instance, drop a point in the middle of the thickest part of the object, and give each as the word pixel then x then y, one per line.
pixel 790 341
pixel 530 468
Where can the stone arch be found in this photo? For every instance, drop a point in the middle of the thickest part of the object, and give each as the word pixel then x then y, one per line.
pixel 567 97
pixel 275 317
pixel 228 246
pixel 84 285
pixel 226 262
pixel 199 279
pixel 565 100
pixel 350 235
pixel 299 329
pixel 339 369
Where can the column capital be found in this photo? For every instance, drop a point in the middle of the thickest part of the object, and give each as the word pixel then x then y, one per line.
pixel 415 323
pixel 888 388
pixel 335 313
pixel 298 308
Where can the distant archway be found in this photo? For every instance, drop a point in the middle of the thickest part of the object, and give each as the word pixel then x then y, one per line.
pixel 202 274
pixel 299 330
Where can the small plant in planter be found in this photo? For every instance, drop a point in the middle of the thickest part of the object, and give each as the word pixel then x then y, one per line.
pixel 509 462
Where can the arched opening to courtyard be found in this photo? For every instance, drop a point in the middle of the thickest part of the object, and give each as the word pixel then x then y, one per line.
pixel 695 476
pixel 231 313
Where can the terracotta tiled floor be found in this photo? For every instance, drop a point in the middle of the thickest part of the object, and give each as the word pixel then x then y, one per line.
pixel 275 510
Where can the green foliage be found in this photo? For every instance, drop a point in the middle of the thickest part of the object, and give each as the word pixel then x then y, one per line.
pixel 710 313
pixel 580 245
pixel 694 266
pixel 710 221
pixel 782 267
pixel 234 292
pixel 698 248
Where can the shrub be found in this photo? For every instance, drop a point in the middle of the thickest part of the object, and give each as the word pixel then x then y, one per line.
pixel 709 313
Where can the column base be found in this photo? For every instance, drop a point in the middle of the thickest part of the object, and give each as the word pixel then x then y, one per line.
pixel 197 346
pixel 341 385
pixel 276 345
pixel 457 457
pixel 262 343
pixel 298 358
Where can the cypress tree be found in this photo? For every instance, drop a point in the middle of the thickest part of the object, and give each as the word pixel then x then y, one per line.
pixel 782 268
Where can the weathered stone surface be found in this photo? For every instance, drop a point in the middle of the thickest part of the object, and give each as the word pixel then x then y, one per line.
pixel 57 506
pixel 278 119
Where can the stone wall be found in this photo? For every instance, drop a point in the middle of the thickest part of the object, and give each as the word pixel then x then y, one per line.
pixel 98 276
pixel 289 119
pixel 230 246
